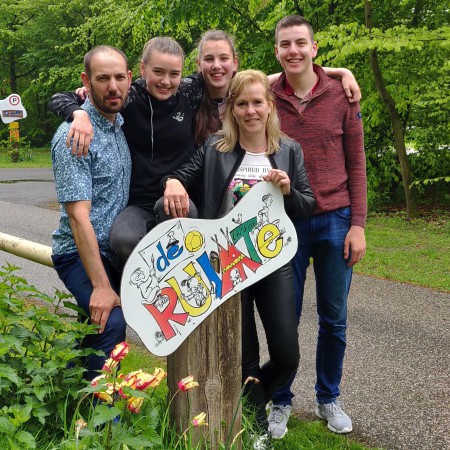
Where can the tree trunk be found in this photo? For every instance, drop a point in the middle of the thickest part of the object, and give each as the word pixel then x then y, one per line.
pixel 399 136
pixel 213 355
pixel 12 73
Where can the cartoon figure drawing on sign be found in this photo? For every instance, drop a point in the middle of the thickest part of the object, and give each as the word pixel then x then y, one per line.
pixel 233 259
pixel 159 338
pixel 149 286
pixel 235 277
pixel 263 213
pixel 238 219
pixel 161 301
pixel 172 239
pixel 194 291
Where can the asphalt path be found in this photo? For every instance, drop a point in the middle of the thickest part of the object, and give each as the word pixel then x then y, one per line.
pixel 396 376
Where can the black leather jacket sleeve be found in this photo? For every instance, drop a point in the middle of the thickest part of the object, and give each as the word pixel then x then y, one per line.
pixel 191 172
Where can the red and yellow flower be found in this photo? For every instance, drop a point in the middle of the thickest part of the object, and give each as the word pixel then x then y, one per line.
pixel 79 425
pixel 199 420
pixel 104 396
pixel 159 375
pixel 134 404
pixel 96 380
pixel 109 365
pixel 143 381
pixel 120 351
pixel 187 383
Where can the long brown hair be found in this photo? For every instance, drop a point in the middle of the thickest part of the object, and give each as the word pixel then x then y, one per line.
pixel 207 121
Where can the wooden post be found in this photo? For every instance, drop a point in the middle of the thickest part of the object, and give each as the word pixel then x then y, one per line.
pixel 14 133
pixel 14 138
pixel 213 355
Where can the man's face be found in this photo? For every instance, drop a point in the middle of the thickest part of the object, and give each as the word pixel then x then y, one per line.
pixel 295 50
pixel 108 84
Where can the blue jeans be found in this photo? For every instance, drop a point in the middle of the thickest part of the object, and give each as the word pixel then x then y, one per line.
pixel 322 239
pixel 71 271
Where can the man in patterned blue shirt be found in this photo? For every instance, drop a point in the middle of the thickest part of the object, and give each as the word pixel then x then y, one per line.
pixel 92 192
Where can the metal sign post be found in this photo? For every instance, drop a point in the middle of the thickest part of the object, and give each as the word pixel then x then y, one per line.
pixel 11 110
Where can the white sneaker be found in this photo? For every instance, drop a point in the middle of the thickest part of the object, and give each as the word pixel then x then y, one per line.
pixel 338 421
pixel 262 442
pixel 278 419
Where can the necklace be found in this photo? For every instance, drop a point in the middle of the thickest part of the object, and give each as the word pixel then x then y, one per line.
pixel 260 150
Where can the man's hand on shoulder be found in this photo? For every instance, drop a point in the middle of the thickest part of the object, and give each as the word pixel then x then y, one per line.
pixel 351 87
pixel 80 134
pixel 348 80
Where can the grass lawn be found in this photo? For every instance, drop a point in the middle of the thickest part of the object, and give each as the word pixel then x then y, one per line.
pixel 409 251
pixel 303 434
pixel 307 435
pixel 34 157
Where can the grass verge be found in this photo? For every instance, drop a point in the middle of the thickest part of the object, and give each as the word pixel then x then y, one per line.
pixel 303 434
pixel 306 435
pixel 34 157
pixel 410 251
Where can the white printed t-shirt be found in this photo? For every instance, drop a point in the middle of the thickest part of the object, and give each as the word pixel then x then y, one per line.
pixel 253 167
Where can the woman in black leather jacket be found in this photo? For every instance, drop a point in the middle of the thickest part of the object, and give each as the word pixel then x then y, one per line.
pixel 248 149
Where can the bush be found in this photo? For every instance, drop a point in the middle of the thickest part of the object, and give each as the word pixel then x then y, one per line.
pixel 384 182
pixel 37 341
pixel 16 151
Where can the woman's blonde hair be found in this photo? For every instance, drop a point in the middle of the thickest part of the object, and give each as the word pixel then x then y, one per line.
pixel 230 129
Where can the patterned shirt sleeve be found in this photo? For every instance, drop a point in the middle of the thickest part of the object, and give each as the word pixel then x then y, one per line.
pixel 73 179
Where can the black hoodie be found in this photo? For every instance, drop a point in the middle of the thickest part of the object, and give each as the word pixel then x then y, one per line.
pixel 159 133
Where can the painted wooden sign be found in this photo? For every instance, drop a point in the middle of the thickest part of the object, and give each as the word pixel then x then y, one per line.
pixel 169 285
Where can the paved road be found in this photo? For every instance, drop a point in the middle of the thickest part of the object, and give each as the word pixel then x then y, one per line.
pixel 396 383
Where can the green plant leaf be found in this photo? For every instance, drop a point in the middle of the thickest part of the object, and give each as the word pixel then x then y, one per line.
pixel 21 413
pixel 139 441
pixel 6 426
pixel 103 414
pixel 26 438
pixel 9 373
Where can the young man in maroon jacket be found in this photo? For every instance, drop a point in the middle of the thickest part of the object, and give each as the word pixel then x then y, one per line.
pixel 314 110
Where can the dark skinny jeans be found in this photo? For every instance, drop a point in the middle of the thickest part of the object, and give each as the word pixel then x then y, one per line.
pixel 275 302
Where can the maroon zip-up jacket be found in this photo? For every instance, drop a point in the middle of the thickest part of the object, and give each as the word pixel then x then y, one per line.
pixel 330 131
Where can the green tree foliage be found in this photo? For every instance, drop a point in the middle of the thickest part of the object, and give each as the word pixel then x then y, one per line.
pixel 35 38
pixel 410 41
pixel 43 43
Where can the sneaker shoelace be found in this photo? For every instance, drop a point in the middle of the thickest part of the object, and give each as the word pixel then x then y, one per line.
pixel 335 408
pixel 278 414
